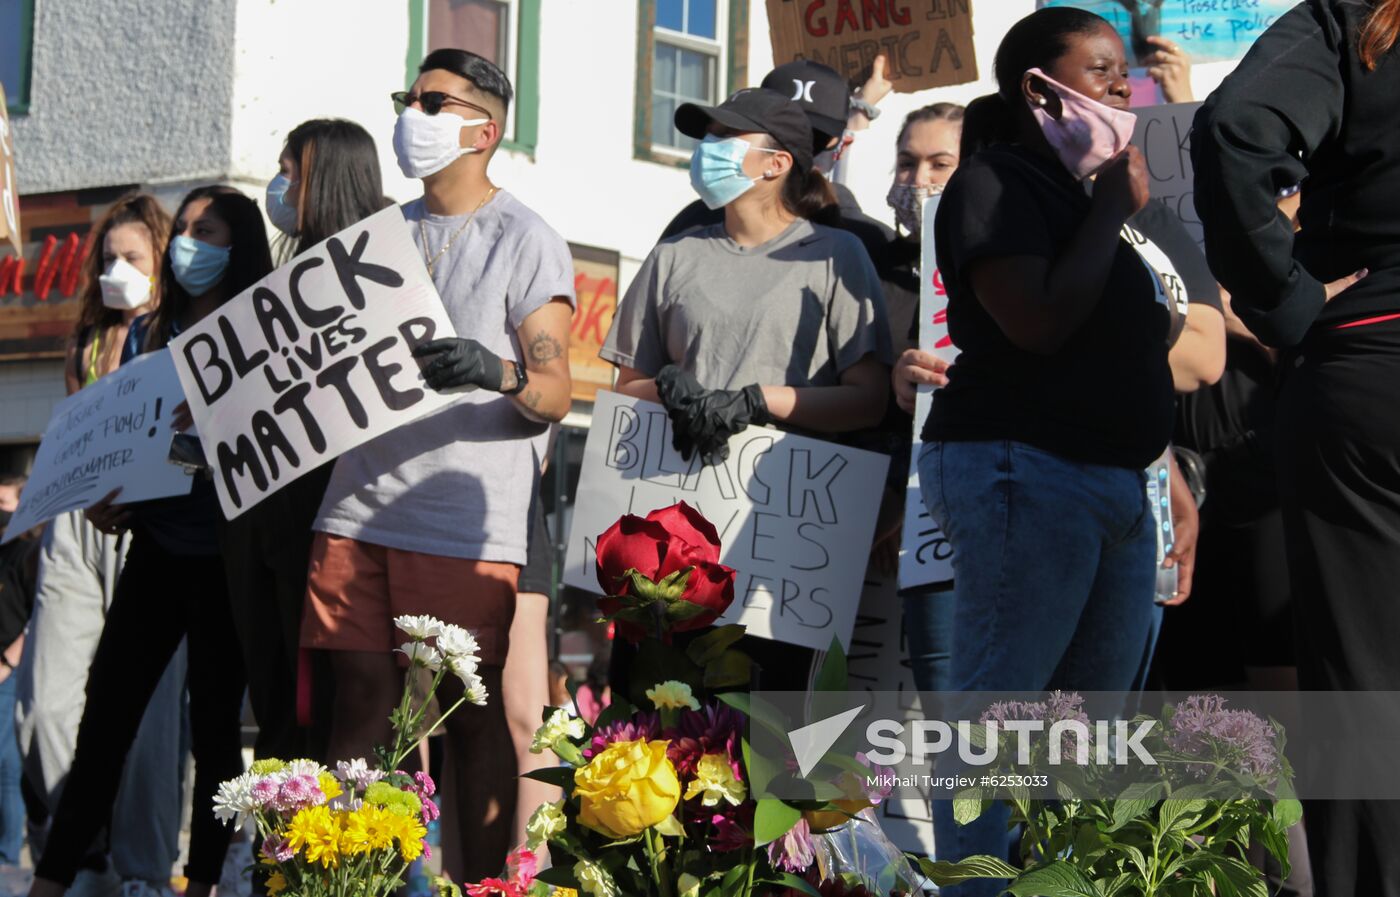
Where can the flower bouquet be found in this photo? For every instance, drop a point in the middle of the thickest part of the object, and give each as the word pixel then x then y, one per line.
pixel 1179 827
pixel 662 796
pixel 355 830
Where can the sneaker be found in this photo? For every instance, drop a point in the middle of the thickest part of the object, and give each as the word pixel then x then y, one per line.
pixel 236 880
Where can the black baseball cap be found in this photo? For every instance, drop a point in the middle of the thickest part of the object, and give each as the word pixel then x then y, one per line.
pixel 754 109
pixel 820 90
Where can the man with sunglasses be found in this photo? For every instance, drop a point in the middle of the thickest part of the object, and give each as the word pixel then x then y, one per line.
pixel 431 518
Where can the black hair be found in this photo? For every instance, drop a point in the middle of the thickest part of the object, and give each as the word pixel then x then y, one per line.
pixel 806 193
pixel 1037 41
pixel 932 112
pixel 249 258
pixel 482 72
pixel 339 174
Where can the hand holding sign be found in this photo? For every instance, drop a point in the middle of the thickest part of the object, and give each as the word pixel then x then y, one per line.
pixel 313 360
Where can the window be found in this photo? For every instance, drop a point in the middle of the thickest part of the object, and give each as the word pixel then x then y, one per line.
pixel 687 59
pixel 16 42
pixel 503 31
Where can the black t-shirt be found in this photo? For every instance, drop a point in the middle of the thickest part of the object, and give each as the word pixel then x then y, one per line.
pixel 1106 396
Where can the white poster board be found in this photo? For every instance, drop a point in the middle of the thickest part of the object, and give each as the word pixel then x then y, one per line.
pixel 925 554
pixel 795 516
pixel 115 432
pixel 313 360
pixel 1163 134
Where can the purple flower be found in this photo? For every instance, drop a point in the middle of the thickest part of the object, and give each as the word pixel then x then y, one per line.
pixel 298 792
pixel 1060 706
pixel 430 810
pixel 733 828
pixel 277 849
pixel 793 852
pixel 877 785
pixel 642 726
pixel 1240 739
pixel 425 788
pixel 714 729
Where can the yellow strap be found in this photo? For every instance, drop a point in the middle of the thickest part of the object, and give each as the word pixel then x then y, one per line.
pixel 92 374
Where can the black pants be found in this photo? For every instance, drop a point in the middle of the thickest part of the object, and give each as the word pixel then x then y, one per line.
pixel 267 551
pixel 1339 481
pixel 160 599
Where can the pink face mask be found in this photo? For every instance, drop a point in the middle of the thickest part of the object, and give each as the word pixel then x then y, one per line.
pixel 1087 133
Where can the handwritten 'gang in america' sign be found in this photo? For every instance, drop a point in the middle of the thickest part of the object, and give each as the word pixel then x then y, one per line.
pixel 313 360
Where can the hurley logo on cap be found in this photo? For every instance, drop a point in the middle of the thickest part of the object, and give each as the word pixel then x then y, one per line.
pixel 803 91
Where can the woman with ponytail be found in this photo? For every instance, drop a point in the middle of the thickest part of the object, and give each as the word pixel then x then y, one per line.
pixel 1314 101
pixel 1062 393
pixel 767 317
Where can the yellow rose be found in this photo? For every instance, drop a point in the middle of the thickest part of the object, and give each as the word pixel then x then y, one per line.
pixel 826 820
pixel 627 788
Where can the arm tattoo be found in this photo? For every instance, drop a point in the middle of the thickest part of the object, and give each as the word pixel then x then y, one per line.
pixel 544 349
pixel 531 399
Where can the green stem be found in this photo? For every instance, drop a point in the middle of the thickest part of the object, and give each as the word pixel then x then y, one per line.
pixel 431 729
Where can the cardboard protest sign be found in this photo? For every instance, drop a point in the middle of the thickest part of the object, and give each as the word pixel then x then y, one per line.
pixel 1163 133
pixel 313 360
pixel 925 554
pixel 796 516
pixel 9 185
pixel 1208 30
pixel 927 43
pixel 595 285
pixel 115 432
pixel 878 661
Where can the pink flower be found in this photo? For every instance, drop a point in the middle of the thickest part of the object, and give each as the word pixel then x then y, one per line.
pixel 522 865
pixel 793 852
pixel 430 810
pixel 494 887
pixel 733 828
pixel 298 792
pixel 265 792
pixel 425 788
pixel 641 727
pixel 277 849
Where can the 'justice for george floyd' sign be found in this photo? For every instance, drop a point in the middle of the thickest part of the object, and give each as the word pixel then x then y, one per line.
pixel 795 516
pixel 313 360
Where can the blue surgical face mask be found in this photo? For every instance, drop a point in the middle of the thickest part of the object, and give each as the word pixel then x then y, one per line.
pixel 282 216
pixel 717 169
pixel 197 266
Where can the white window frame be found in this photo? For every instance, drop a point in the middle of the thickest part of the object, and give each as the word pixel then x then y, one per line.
pixel 511 64
pixel 718 48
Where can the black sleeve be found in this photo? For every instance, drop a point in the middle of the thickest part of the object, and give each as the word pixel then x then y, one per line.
pixel 990 211
pixel 1251 139
pixel 693 215
pixel 16 589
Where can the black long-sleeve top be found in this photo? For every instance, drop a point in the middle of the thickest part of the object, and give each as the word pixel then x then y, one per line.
pixel 1302 105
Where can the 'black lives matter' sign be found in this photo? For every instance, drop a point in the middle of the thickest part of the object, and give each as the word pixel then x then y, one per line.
pixel 313 360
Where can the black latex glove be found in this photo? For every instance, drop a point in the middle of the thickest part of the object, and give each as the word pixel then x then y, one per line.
pixel 458 362
pixel 703 420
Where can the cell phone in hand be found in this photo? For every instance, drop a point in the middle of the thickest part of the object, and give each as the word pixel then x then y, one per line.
pixel 1159 498
pixel 187 453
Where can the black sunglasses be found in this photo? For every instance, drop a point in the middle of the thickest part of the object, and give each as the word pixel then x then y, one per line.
pixel 432 101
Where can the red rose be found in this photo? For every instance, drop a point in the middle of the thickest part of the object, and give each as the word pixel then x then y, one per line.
pixel 664 542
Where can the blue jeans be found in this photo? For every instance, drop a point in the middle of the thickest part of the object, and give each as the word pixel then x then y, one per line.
pixel 1053 576
pixel 928 635
pixel 11 802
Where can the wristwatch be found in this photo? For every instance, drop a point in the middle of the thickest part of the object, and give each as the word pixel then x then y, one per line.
pixel 864 108
pixel 521 378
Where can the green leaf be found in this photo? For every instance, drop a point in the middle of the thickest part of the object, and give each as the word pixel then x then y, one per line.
pixel 1275 841
pixel 967 809
pixel 561 776
pixel 1135 800
pixel 832 675
pixel 714 643
pixel 788 880
pixel 944 872
pixel 1233 877
pixel 1088 842
pixel 656 663
pixel 734 881
pixel 1119 884
pixel 761 769
pixel 1287 813
pixel 1056 879
pixel 730 670
pixel 1176 814
pixel 739 700
pixel 559 876
pixel 772 819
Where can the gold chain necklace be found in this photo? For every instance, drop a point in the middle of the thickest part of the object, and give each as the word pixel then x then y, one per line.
pixel 423 232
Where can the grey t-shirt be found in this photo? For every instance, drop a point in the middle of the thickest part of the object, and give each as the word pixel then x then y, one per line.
pixel 458 482
pixel 796 311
